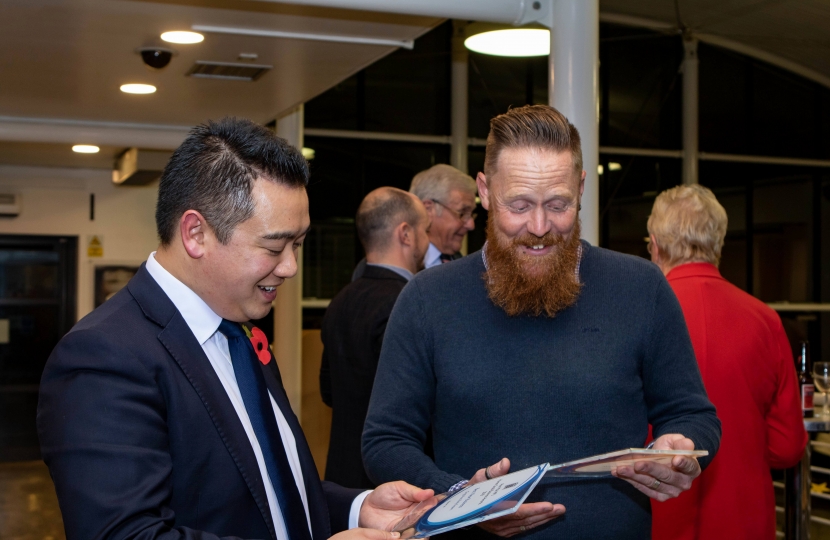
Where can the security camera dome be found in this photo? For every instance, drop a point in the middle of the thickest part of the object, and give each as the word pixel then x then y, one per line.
pixel 156 57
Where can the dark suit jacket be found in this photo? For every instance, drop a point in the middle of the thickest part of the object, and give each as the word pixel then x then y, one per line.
pixel 142 441
pixel 352 335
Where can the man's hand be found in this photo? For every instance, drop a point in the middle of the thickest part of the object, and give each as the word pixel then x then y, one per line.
pixel 526 517
pixel 388 504
pixel 365 534
pixel 663 482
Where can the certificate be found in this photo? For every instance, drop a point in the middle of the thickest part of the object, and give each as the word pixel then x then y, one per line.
pixel 603 464
pixel 473 504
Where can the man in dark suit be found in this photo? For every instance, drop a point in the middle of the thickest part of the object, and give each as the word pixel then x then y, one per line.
pixel 157 416
pixel 393 227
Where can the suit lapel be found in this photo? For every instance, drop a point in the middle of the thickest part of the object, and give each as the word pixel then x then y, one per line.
pixel 317 508
pixel 182 345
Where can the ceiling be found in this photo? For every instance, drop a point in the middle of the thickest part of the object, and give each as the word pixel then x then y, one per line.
pixel 62 62
pixel 794 31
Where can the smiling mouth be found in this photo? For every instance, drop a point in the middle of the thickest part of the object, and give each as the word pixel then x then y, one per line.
pixel 537 247
pixel 268 289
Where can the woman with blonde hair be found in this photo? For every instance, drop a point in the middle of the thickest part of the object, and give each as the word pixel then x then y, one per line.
pixel 747 368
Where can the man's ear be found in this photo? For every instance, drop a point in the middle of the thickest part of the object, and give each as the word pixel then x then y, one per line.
pixel 483 191
pixel 429 205
pixel 194 232
pixel 582 183
pixel 405 234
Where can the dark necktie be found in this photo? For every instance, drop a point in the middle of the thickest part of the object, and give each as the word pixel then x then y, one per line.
pixel 445 258
pixel 257 402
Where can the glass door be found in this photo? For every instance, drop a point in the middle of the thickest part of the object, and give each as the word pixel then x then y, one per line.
pixel 37 307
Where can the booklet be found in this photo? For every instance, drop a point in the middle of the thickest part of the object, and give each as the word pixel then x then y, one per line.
pixel 476 503
pixel 603 464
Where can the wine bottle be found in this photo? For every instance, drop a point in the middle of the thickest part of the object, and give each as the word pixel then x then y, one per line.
pixel 805 379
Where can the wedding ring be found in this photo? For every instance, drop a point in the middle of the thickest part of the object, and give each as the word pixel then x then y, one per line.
pixel 656 484
pixel 487 473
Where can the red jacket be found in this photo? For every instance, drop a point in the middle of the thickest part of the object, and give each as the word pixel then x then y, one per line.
pixel 748 370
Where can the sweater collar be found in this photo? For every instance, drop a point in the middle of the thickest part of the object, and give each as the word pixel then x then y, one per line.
pixel 694 269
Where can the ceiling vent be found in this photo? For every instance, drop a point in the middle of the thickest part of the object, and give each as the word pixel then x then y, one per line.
pixel 9 204
pixel 229 71
pixel 138 167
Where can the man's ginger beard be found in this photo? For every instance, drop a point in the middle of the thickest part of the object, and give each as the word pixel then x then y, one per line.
pixel 532 285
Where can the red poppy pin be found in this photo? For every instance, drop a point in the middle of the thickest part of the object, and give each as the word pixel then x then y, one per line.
pixel 260 343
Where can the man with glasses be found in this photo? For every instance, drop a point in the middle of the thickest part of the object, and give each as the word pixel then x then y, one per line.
pixel 449 196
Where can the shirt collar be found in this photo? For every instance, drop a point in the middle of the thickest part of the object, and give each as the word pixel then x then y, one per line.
pixel 403 272
pixel 432 256
pixel 201 320
pixel 693 269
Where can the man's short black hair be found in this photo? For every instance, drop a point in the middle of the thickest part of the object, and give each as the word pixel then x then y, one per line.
pixel 213 172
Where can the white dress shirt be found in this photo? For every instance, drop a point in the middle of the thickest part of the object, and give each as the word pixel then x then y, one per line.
pixel 204 324
pixel 432 257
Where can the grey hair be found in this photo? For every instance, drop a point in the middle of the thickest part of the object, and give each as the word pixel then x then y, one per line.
pixel 439 180
pixel 689 225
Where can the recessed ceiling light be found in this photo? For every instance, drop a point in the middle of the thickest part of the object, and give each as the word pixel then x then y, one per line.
pixel 614 166
pixel 85 149
pixel 138 88
pixel 183 37
pixel 511 42
pixel 308 153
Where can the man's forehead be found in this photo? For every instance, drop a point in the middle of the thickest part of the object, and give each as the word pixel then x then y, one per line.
pixel 535 165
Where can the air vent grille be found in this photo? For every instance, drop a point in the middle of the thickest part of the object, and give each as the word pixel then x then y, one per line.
pixel 229 71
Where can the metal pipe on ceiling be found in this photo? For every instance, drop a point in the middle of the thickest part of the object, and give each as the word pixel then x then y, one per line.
pixel 516 12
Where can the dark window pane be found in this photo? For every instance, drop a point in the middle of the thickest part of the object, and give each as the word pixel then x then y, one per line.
pixel 733 262
pixel 343 171
pixel 406 92
pixel 29 273
pixel 498 83
pixel 628 187
pixel 779 266
pixel 640 88
pixel 749 107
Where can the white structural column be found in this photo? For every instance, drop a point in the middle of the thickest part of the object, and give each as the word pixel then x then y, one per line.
pixel 574 91
pixel 459 114
pixel 690 111
pixel 288 311
pixel 459 105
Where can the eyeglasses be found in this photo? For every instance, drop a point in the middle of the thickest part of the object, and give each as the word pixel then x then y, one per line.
pixel 463 218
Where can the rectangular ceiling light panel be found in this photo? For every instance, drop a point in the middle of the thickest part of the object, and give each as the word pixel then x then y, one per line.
pixel 229 71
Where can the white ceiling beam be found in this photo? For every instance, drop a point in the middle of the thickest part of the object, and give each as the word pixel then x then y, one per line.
pixel 60 131
pixel 259 32
pixel 516 12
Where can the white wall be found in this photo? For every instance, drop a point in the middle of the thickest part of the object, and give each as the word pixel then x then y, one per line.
pixel 55 201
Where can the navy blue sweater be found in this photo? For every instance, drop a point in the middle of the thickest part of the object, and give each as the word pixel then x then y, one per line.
pixel 537 389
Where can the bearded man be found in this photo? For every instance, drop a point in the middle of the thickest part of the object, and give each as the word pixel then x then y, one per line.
pixel 540 348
